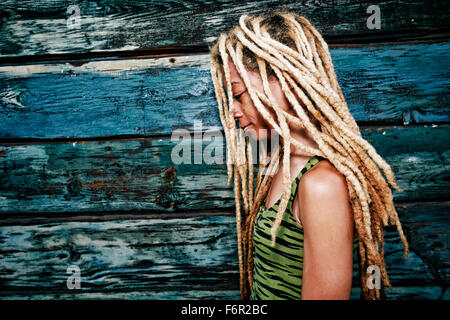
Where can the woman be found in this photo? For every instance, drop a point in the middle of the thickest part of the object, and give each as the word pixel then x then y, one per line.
pixel 274 76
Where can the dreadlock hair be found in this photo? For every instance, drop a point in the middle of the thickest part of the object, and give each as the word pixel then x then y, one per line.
pixel 286 47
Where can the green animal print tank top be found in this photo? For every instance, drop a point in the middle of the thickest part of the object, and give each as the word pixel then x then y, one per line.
pixel 277 272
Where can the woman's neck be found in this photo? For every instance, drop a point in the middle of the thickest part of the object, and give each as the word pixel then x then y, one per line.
pixel 305 139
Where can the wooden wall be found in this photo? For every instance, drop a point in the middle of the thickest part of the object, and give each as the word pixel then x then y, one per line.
pixel 86 116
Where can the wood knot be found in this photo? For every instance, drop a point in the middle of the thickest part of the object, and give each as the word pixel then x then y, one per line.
pixel 168 196
pixel 74 187
pixel 170 174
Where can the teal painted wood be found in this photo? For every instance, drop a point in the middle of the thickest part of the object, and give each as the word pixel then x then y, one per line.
pixel 88 177
pixel 41 27
pixel 150 258
pixel 408 293
pixel 392 83
pixel 395 77
pixel 434 249
pixel 184 258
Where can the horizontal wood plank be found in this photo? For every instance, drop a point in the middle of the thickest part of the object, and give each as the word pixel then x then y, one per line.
pixel 47 27
pixel 88 177
pixel 187 294
pixel 164 258
pixel 177 258
pixel 384 83
pixel 429 230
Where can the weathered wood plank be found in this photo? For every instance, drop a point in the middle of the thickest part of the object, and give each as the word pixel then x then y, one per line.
pixel 200 294
pixel 401 79
pixel 140 174
pixel 426 273
pixel 46 26
pixel 391 83
pixel 158 257
pixel 434 248
pixel 175 258
pixel 406 293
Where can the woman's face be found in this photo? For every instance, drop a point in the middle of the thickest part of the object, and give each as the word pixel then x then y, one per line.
pixel 250 119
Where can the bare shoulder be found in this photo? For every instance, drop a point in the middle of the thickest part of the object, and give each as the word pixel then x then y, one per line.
pixel 327 220
pixel 322 195
pixel 322 179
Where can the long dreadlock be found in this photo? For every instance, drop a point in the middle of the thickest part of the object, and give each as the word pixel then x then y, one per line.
pixel 286 47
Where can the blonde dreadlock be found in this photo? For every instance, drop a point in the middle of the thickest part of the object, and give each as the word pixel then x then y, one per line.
pixel 286 47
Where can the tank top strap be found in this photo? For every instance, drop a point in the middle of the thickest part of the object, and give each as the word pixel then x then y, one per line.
pixel 311 163
pixel 294 186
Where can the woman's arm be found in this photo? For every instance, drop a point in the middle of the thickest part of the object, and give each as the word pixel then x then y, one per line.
pixel 325 211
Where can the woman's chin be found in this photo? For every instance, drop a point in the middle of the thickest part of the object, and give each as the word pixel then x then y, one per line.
pixel 251 132
pixel 257 134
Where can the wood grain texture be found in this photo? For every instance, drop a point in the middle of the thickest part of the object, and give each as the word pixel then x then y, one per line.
pixel 432 220
pixel 142 175
pixel 384 83
pixel 106 196
pixel 188 258
pixel 164 259
pixel 41 27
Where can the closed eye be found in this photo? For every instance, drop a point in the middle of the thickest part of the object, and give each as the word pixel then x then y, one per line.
pixel 238 96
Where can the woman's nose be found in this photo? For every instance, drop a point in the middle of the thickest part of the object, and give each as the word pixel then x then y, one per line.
pixel 237 113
